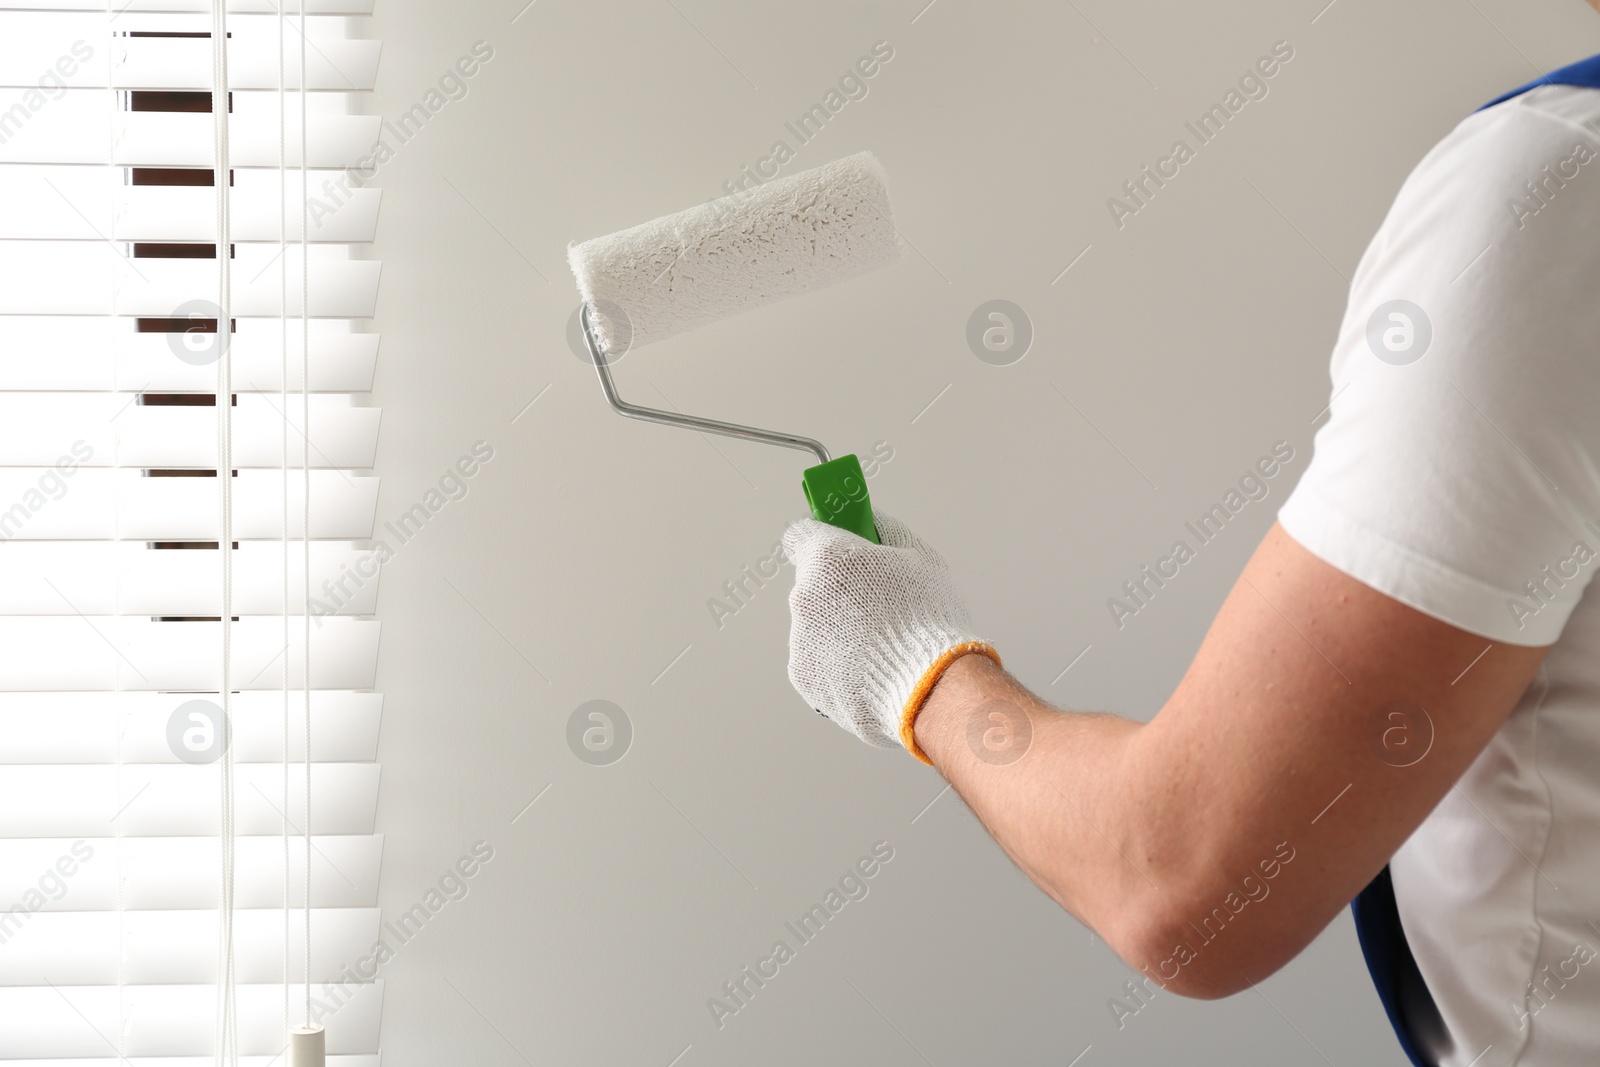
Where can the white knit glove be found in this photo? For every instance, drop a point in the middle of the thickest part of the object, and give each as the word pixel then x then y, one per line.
pixel 873 626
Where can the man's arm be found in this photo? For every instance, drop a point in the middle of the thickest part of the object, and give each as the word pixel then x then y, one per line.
pixel 1320 721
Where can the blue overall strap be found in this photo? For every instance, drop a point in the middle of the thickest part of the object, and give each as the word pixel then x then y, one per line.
pixel 1399 982
pixel 1585 73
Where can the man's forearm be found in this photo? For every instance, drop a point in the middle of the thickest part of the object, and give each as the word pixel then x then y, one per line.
pixel 1128 833
pixel 1056 789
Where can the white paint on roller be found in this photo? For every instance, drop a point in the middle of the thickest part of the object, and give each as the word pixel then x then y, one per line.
pixel 790 236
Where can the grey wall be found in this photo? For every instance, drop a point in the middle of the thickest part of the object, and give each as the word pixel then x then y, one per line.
pixel 1177 350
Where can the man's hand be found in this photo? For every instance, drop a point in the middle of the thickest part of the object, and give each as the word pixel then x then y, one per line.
pixel 873 628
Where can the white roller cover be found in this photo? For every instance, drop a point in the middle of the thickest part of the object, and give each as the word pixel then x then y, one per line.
pixel 787 237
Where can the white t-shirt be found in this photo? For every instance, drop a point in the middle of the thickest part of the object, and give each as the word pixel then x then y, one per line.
pixel 1459 472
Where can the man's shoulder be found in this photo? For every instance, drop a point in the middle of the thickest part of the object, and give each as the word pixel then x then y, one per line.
pixel 1511 192
pixel 1501 166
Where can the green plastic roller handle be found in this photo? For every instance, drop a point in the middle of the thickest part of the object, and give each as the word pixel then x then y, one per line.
pixel 837 493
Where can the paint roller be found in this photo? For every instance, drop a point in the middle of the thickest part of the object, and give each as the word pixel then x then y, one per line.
pixel 791 236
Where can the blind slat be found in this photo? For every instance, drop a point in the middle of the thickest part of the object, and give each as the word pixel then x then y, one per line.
pixel 46 652
pixel 101 504
pixel 82 727
pixel 123 577
pixel 78 52
pixel 180 872
pixel 185 64
pixel 92 204
pixel 169 1020
pixel 97 278
pixel 43 352
pixel 37 429
pixel 276 1060
pixel 180 800
pixel 94 24
pixel 246 7
pixel 175 947
pixel 154 213
pixel 79 125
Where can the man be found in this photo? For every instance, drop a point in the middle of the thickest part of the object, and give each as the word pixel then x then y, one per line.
pixel 1400 698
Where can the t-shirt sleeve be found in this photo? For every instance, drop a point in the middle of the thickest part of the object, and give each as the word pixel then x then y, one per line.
pixel 1459 468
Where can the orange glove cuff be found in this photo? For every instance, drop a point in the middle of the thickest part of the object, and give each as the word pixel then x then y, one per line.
pixel 924 687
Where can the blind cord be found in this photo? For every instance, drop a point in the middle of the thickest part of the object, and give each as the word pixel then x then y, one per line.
pixel 227 1023
pixel 116 535
pixel 283 457
pixel 305 463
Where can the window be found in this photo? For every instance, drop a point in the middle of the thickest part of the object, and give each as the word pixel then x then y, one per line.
pixel 112 759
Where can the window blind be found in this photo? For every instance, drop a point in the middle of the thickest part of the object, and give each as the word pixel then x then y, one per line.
pixel 110 559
